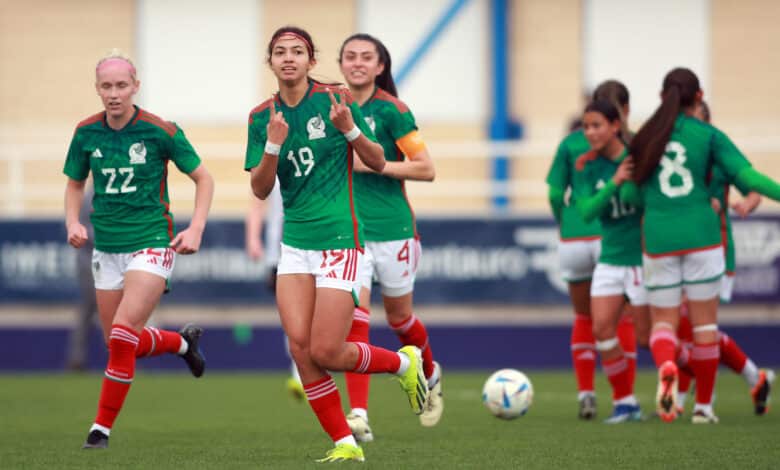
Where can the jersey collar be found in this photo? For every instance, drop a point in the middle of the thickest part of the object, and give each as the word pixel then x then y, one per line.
pixel 129 123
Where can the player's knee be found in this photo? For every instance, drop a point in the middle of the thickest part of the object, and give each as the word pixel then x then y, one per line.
pixel 603 330
pixel 326 354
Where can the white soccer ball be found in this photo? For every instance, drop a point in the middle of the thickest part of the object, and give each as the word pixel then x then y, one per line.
pixel 508 393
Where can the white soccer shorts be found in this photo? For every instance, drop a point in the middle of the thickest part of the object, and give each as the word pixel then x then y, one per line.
pixel 336 269
pixel 393 264
pixel 698 272
pixel 578 258
pixel 610 280
pixel 109 269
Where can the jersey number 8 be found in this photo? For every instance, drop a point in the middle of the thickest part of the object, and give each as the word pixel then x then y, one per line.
pixel 676 166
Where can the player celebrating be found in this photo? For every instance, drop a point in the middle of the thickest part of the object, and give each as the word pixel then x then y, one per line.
pixel 392 243
pixel 682 244
pixel 618 272
pixel 578 249
pixel 305 135
pixel 127 150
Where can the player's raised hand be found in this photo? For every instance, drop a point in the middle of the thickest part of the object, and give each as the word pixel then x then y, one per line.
pixel 77 235
pixel 340 115
pixel 277 127
pixel 625 171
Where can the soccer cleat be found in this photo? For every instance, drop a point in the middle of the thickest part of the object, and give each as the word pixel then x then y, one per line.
pixel 666 396
pixel 343 452
pixel 295 389
pixel 587 407
pixel 760 392
pixel 624 414
pixel 435 405
pixel 194 356
pixel 413 380
pixel 360 428
pixel 96 440
pixel 704 417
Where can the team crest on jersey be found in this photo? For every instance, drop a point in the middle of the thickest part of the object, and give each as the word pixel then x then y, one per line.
pixel 137 153
pixel 371 123
pixel 97 154
pixel 316 128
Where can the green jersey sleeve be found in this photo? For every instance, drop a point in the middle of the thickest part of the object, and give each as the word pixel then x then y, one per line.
pixel 559 175
pixel 257 135
pixel 76 162
pixel 183 155
pixel 399 122
pixel 727 156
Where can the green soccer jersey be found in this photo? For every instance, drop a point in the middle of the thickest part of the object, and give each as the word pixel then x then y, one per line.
pixel 381 201
pixel 130 172
pixel 314 169
pixel 621 233
pixel 562 175
pixel 678 214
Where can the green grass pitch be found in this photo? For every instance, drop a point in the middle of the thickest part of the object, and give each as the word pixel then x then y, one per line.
pixel 244 420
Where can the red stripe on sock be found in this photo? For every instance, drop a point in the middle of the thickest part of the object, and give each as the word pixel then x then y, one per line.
pixel 731 354
pixel 704 362
pixel 325 401
pixel 413 332
pixel 358 384
pixel 119 374
pixel 154 342
pixel 583 355
pixel 619 373
pixel 663 345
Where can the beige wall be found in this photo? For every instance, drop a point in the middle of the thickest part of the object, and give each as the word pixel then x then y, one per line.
pixel 48 49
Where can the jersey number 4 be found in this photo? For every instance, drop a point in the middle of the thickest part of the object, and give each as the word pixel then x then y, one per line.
pixel 126 173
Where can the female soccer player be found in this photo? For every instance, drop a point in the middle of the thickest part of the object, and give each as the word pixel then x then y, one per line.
pixel 618 272
pixel 392 244
pixel 305 135
pixel 578 250
pixel 681 233
pixel 731 354
pixel 127 150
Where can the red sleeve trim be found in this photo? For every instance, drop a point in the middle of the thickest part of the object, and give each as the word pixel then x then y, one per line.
pixel 382 95
pixel 261 107
pixel 92 119
pixel 166 126
pixel 335 88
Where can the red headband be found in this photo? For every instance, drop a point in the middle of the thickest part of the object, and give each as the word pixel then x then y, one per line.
pixel 294 36
pixel 117 60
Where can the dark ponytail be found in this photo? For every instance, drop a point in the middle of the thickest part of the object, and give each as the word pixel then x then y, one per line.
pixel 649 144
pixel 385 79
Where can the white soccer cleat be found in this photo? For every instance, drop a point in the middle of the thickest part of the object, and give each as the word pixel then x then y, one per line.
pixel 360 428
pixel 435 406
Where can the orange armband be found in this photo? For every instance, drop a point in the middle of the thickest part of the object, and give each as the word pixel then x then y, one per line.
pixel 411 143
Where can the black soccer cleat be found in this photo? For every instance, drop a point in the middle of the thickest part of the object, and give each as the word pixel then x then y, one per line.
pixel 194 356
pixel 96 440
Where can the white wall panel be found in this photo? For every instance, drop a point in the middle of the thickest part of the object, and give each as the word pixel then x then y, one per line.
pixel 197 59
pixel 639 41
pixel 450 83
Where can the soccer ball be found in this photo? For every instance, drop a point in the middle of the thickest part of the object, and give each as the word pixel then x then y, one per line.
pixel 508 393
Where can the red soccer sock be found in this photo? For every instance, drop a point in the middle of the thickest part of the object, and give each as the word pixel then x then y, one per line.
pixel 413 332
pixel 583 352
pixel 122 343
pixel 373 359
pixel 325 400
pixel 619 373
pixel 663 345
pixel 684 379
pixel 154 342
pixel 731 354
pixel 358 384
pixel 626 334
pixel 704 362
